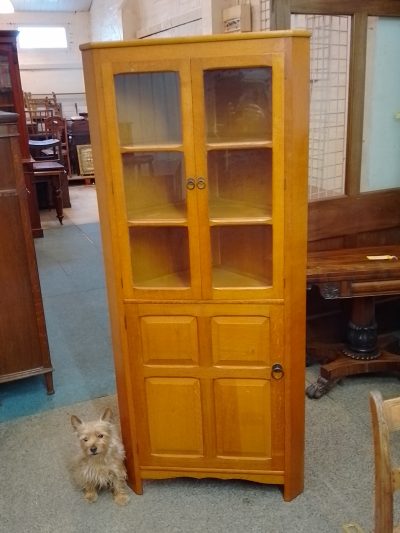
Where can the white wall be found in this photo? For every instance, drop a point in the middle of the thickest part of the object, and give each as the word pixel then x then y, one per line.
pixel 128 19
pixel 46 71
pixel 60 71
pixel 169 18
pixel 106 20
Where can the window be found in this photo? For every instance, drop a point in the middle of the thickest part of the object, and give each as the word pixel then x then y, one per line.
pixel 42 37
pixel 370 130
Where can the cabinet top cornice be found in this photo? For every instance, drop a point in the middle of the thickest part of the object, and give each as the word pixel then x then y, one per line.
pixel 197 39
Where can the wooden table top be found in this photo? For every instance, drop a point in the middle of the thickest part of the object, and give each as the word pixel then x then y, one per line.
pixel 353 264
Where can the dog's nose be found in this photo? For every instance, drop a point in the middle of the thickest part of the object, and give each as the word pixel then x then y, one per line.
pixel 93 449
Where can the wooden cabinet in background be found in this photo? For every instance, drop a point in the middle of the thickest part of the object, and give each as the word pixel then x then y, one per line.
pixel 12 100
pixel 24 349
pixel 11 95
pixel 200 152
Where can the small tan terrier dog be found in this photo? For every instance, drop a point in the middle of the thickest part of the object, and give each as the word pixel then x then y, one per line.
pixel 101 461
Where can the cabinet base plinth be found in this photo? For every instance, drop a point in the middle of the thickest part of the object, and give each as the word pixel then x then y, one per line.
pixel 270 478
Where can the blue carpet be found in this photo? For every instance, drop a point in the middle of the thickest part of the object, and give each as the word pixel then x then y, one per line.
pixel 72 281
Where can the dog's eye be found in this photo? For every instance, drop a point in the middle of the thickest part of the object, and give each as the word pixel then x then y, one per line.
pixel 100 436
pixel 85 439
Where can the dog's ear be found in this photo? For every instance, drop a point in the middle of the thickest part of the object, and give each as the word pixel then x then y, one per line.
pixel 107 416
pixel 76 422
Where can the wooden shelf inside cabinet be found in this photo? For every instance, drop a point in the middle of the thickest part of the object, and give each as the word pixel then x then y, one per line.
pixel 229 144
pixel 176 280
pixel 203 203
pixel 232 212
pixel 140 148
pixel 168 215
pixel 228 278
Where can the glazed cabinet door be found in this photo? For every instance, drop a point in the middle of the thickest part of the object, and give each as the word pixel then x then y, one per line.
pixel 238 124
pixel 6 82
pixel 197 151
pixel 151 144
pixel 208 382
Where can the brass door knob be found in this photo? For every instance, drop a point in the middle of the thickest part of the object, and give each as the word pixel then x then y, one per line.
pixel 277 371
pixel 190 184
pixel 201 183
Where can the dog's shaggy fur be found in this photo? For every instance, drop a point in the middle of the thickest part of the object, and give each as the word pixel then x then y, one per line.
pixel 100 463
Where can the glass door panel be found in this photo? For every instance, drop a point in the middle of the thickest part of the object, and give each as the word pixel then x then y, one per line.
pixel 6 92
pixel 238 104
pixel 155 146
pixel 154 190
pixel 240 185
pixel 239 164
pixel 148 107
pixel 160 257
pixel 241 256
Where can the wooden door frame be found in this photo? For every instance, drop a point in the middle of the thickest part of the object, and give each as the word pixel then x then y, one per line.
pixel 359 11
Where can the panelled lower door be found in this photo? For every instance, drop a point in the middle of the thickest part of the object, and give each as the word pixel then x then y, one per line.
pixel 204 385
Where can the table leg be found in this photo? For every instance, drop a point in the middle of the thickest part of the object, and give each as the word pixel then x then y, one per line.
pixel 360 355
pixel 362 331
pixel 49 382
pixel 57 196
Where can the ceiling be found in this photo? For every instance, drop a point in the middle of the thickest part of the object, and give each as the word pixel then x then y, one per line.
pixel 52 5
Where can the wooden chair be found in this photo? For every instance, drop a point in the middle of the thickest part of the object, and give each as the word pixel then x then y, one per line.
pixel 35 119
pixel 57 128
pixel 48 169
pixel 385 419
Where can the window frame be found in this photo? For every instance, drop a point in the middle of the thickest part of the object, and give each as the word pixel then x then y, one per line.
pixel 359 10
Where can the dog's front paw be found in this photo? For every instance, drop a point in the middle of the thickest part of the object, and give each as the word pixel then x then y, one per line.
pixel 121 498
pixel 90 496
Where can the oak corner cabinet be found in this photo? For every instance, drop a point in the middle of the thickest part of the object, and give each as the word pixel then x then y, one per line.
pixel 200 150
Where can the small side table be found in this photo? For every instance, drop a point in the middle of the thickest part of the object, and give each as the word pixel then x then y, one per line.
pixel 348 273
pixel 51 172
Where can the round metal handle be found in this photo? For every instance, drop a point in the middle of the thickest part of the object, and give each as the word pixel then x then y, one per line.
pixel 277 371
pixel 190 184
pixel 201 183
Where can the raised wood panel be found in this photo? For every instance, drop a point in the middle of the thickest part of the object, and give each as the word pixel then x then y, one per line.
pixel 170 340
pixel 175 416
pixel 243 418
pixel 240 341
pixel 20 347
pixel 352 215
